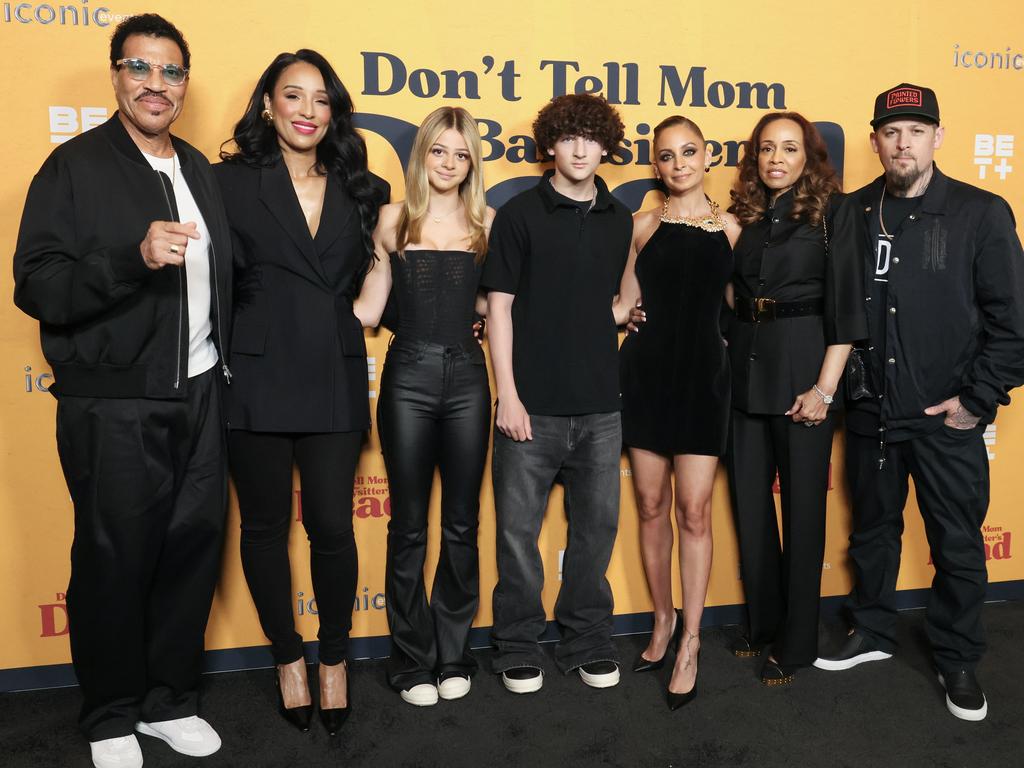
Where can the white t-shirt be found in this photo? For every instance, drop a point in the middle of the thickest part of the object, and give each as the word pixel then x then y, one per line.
pixel 202 354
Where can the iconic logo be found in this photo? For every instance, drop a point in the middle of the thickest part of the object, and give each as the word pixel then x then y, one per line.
pixel 66 122
pixel 903 97
pixel 69 15
pixel 364 601
pixel 39 382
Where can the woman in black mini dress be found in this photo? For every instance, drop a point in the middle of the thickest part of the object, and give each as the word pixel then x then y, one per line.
pixel 675 388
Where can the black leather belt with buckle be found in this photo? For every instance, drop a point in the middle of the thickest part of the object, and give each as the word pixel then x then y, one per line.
pixel 762 310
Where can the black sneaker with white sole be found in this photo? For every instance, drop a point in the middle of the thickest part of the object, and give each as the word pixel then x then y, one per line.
pixel 600 674
pixel 523 679
pixel 964 697
pixel 857 649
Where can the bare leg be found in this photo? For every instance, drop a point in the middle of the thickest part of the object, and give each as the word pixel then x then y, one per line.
pixel 695 478
pixel 653 486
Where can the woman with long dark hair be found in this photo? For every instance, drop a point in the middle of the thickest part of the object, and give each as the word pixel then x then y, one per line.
pixel 797 310
pixel 675 389
pixel 302 207
pixel 434 408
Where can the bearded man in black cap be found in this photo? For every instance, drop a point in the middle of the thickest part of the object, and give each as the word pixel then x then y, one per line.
pixel 944 277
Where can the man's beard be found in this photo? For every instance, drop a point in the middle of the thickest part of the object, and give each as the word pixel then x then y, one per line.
pixel 899 180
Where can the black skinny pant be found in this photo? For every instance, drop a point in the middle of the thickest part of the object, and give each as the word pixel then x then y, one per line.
pixel 782 585
pixel 261 466
pixel 434 411
pixel 149 485
pixel 950 472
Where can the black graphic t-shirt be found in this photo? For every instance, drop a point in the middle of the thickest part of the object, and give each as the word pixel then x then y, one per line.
pixel 894 211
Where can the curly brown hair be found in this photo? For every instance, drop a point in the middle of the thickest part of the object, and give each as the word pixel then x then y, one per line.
pixel 811 191
pixel 578 114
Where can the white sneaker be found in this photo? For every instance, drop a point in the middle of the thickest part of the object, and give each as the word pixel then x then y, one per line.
pixel 454 687
pixel 600 674
pixel 422 695
pixel 119 752
pixel 191 736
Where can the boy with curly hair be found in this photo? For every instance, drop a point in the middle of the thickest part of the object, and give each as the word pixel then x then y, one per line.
pixel 557 253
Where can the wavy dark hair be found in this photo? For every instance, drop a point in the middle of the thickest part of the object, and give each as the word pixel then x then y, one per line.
pixel 151 25
pixel 578 114
pixel 342 151
pixel 812 190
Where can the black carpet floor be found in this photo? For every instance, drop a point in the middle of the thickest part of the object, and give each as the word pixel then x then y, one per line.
pixel 885 714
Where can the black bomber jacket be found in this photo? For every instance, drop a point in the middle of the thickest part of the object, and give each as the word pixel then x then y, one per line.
pixel 109 325
pixel 955 306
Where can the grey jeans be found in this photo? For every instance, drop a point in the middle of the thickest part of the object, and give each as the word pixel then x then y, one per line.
pixel 581 452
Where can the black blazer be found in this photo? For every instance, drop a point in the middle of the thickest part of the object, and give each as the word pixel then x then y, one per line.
pixel 298 354
pixel 777 258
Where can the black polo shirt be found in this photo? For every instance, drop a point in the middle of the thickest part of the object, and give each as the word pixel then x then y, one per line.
pixel 563 260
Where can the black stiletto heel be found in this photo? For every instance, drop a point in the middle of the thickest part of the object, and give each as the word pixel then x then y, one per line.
pixel 300 716
pixel 643 664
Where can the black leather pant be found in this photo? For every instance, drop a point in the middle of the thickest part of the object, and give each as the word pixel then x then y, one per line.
pixel 434 411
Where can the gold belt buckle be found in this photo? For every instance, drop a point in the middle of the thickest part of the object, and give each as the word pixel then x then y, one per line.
pixel 764 309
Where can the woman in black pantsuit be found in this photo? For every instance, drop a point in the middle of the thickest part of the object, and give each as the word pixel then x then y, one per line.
pixel 302 207
pixel 796 312
pixel 434 408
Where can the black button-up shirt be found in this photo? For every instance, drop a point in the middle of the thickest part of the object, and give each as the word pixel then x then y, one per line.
pixel 563 260
pixel 778 258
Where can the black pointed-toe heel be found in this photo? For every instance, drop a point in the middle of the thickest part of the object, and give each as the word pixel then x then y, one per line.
pixel 335 717
pixel 300 716
pixel 676 700
pixel 643 664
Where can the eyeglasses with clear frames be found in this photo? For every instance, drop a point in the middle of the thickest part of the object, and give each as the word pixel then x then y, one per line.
pixel 139 69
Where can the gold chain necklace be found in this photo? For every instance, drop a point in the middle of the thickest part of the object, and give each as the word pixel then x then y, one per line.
pixel 709 222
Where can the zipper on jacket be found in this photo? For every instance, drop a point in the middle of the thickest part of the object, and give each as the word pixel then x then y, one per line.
pixel 216 297
pixel 181 277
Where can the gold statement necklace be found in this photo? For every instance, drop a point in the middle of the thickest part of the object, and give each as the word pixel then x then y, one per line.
pixel 709 222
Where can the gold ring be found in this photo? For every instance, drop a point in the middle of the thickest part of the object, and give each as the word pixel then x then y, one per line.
pixel 174 250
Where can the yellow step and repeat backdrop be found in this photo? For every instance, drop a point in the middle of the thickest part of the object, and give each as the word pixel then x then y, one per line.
pixel 723 66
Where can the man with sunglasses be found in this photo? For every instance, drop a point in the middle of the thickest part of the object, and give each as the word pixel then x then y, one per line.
pixel 124 258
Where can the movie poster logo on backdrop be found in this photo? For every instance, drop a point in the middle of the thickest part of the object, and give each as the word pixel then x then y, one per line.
pixel 53 617
pixel 37 382
pixel 68 122
pixel 987 148
pixel 371 497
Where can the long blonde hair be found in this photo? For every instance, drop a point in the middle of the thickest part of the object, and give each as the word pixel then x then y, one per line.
pixel 417 187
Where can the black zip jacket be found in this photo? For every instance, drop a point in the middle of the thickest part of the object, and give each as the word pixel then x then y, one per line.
pixel 109 325
pixel 954 320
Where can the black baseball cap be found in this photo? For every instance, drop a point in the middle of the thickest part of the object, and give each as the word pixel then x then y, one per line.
pixel 906 100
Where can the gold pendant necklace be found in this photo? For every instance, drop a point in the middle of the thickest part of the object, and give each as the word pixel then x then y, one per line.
pixel 439 219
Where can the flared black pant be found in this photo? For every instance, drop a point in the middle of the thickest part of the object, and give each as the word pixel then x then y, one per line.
pixel 782 583
pixel 149 484
pixel 434 411
pixel 261 467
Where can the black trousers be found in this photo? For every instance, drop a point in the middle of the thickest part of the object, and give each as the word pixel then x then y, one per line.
pixel 434 411
pixel 149 485
pixel 261 467
pixel 782 583
pixel 950 472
